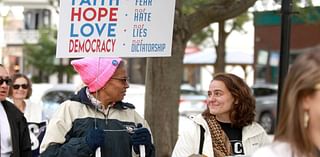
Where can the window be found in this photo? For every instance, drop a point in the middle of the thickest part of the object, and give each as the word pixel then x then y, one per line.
pixel 37 18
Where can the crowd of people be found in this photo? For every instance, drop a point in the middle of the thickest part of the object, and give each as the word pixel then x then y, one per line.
pixel 95 121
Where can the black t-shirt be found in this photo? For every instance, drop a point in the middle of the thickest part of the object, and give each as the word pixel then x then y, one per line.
pixel 235 137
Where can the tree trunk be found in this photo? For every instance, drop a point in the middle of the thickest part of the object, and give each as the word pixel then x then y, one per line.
pixel 220 49
pixel 142 69
pixel 163 81
pixel 60 76
pixel 60 71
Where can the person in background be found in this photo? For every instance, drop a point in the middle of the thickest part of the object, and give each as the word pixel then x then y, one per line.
pixel 227 127
pixel 19 92
pixel 97 117
pixel 298 130
pixel 14 132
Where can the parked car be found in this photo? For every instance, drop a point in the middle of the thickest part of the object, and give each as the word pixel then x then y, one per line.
pixel 192 102
pixel 49 96
pixel 135 95
pixel 266 105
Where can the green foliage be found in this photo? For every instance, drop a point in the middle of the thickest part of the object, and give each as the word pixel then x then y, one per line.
pixel 309 14
pixel 42 56
pixel 190 6
pixel 206 33
pixel 239 21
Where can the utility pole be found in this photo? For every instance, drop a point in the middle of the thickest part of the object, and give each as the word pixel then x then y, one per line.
pixel 286 11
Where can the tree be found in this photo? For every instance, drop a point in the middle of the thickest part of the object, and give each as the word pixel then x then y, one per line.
pixel 236 24
pixel 163 76
pixel 41 56
pixel 223 34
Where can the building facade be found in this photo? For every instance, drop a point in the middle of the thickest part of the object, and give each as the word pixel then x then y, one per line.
pixel 20 21
pixel 305 36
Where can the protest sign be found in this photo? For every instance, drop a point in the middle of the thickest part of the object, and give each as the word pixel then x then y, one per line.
pixel 37 131
pixel 123 28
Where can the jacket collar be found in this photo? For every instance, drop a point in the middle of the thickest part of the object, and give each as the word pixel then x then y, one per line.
pixel 248 131
pixel 82 97
pixel 252 130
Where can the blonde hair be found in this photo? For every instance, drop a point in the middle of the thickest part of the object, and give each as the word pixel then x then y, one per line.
pixel 303 77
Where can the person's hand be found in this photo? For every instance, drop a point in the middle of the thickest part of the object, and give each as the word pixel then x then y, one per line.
pixel 95 138
pixel 141 136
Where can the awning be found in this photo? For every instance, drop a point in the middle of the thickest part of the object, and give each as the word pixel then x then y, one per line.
pixel 208 56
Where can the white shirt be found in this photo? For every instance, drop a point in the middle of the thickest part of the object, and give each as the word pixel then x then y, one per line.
pixel 32 111
pixel 5 134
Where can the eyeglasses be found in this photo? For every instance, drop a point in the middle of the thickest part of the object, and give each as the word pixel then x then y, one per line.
pixel 6 80
pixel 17 86
pixel 124 79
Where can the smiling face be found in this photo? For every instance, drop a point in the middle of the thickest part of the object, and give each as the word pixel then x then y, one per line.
pixel 220 101
pixel 4 87
pixel 115 89
pixel 21 92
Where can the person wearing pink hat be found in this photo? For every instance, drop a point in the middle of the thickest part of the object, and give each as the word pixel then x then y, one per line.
pixel 96 117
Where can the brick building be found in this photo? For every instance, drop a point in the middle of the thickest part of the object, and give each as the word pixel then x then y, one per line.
pixel 305 36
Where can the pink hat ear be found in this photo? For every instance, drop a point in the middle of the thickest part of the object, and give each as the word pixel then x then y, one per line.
pixel 95 72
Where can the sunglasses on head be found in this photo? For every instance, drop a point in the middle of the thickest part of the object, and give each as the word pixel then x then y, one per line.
pixel 17 86
pixel 6 80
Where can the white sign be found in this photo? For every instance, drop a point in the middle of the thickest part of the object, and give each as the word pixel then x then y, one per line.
pixel 123 28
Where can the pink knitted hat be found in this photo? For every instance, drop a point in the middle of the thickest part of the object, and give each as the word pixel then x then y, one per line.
pixel 95 72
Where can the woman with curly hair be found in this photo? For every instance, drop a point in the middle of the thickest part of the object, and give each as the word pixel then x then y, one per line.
pixel 227 127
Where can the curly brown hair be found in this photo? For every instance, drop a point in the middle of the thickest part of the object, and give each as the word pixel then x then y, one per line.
pixel 242 113
pixel 15 77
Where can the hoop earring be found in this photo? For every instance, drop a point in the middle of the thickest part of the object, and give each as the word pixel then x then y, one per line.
pixel 306 119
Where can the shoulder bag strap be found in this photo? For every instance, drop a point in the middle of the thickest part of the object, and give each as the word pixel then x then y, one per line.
pixel 201 139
